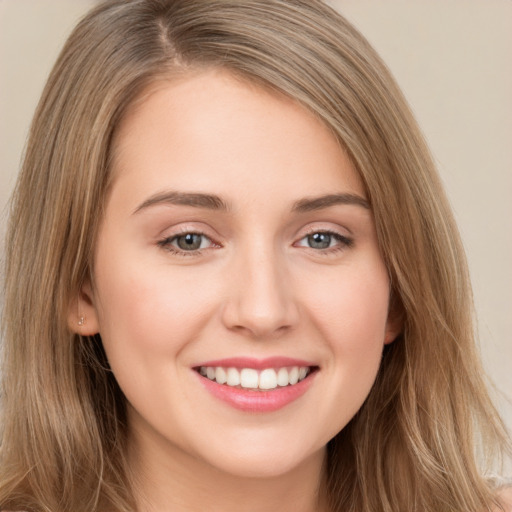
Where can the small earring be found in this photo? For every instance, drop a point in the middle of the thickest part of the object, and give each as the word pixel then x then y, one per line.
pixel 81 320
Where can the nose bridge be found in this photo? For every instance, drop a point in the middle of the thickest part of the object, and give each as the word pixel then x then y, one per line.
pixel 260 297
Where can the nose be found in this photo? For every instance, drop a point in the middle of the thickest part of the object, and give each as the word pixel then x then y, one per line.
pixel 260 302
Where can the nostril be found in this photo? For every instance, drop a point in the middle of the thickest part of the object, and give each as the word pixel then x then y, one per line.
pixel 260 302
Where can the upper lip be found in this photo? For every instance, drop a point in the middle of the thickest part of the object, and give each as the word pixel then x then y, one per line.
pixel 257 364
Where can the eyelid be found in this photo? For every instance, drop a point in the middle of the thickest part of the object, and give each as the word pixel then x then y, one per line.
pixel 165 241
pixel 323 228
pixel 345 241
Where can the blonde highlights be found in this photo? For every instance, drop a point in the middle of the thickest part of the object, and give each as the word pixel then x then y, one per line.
pixel 411 446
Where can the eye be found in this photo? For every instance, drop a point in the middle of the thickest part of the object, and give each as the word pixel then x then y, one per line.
pixel 323 240
pixel 186 242
pixel 319 240
pixel 190 241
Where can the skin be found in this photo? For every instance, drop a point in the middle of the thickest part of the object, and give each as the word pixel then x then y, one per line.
pixel 256 288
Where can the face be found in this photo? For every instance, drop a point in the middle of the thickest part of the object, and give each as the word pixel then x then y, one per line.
pixel 238 286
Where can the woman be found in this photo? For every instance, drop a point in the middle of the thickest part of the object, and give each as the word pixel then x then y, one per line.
pixel 212 298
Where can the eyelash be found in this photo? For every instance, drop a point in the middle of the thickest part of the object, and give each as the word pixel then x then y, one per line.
pixel 166 243
pixel 343 243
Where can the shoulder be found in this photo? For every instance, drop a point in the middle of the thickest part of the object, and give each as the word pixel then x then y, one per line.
pixel 505 497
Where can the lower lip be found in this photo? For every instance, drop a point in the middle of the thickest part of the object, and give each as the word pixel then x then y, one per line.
pixel 250 400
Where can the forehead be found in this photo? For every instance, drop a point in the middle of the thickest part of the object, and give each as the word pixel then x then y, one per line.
pixel 210 128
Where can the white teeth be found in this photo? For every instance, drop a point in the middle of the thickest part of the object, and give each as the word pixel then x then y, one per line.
pixel 249 378
pixel 294 375
pixel 282 377
pixel 233 377
pixel 268 379
pixel 220 375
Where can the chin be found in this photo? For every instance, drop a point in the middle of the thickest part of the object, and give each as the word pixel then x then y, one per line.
pixel 254 461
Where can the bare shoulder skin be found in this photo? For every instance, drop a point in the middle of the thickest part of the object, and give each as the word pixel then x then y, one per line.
pixel 505 495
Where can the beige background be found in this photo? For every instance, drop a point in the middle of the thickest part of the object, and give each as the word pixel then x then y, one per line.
pixel 453 59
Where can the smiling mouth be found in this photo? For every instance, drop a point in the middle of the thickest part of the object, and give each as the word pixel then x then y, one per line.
pixel 256 380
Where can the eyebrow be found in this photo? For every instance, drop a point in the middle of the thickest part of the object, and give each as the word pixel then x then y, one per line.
pixel 196 200
pixel 321 202
pixel 214 202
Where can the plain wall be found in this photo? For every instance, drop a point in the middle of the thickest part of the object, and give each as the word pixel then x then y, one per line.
pixel 453 60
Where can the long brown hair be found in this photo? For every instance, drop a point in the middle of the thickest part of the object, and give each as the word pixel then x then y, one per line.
pixel 412 444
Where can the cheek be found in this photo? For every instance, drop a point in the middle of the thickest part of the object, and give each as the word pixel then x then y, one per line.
pixel 351 313
pixel 352 308
pixel 148 310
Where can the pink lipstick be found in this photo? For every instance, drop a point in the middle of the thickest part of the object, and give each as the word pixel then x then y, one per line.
pixel 257 385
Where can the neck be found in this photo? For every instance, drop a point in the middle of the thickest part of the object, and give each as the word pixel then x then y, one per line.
pixel 171 479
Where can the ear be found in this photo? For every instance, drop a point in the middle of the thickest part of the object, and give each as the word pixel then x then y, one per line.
pixel 394 323
pixel 82 314
pixel 392 331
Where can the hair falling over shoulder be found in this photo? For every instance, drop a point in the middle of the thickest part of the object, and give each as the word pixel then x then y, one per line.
pixel 428 432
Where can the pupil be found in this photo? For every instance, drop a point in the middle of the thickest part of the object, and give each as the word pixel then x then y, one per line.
pixel 189 242
pixel 319 240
